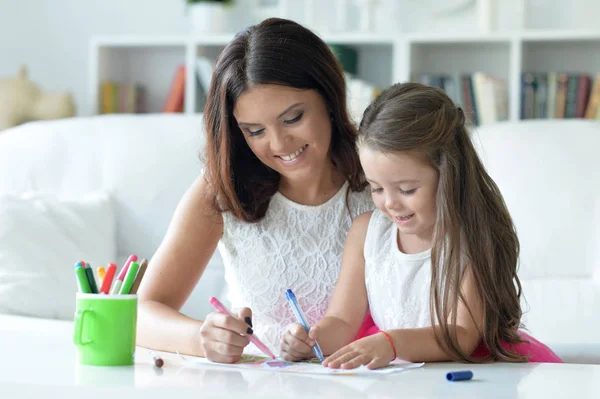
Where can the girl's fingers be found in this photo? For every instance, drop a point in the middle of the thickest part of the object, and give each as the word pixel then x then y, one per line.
pixel 313 333
pixel 377 363
pixel 346 357
pixel 357 361
pixel 339 357
pixel 297 349
pixel 297 331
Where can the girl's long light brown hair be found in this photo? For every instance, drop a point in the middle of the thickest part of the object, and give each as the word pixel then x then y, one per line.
pixel 281 52
pixel 473 226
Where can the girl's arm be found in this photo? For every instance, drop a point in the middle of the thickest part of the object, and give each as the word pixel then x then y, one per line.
pixel 420 345
pixel 349 303
pixel 347 308
pixel 174 271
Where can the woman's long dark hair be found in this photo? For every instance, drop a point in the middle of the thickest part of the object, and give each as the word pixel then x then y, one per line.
pixel 473 226
pixel 282 52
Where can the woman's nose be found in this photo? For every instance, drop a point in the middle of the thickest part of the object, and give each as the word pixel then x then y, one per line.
pixel 279 143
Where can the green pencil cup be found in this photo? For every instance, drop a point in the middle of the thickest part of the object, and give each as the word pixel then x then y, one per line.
pixel 105 328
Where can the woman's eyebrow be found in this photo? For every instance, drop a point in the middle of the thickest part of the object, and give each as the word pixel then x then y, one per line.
pixel 288 109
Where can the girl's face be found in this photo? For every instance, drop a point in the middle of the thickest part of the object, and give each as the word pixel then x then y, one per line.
pixel 288 129
pixel 404 188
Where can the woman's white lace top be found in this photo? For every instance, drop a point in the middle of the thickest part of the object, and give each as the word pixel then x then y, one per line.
pixel 294 246
pixel 398 284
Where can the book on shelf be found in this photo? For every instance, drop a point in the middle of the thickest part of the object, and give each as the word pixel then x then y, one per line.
pixel 559 95
pixel 483 97
pixel 176 95
pixel 121 98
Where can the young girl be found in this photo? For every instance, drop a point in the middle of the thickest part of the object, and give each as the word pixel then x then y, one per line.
pixel 436 262
pixel 281 186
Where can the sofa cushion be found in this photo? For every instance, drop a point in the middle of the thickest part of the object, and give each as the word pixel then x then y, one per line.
pixel 548 173
pixel 145 161
pixel 41 238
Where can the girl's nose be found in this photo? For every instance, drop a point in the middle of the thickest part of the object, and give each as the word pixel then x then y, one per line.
pixel 392 202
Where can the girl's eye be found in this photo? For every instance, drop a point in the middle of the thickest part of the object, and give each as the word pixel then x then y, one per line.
pixel 408 192
pixel 376 190
pixel 253 133
pixel 296 119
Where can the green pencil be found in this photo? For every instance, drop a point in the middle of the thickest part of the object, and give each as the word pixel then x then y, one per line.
pixel 129 278
pixel 91 279
pixel 82 281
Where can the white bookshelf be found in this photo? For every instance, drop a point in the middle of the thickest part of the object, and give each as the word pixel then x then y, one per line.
pixel 383 60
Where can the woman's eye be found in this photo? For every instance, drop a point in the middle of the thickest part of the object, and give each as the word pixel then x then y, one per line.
pixel 254 132
pixel 376 190
pixel 294 120
pixel 408 192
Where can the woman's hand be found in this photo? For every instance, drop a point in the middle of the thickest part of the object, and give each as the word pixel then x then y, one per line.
pixel 374 352
pixel 296 343
pixel 224 338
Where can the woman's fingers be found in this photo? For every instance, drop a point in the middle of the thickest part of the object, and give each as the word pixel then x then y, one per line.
pixel 224 337
pixel 245 314
pixel 232 323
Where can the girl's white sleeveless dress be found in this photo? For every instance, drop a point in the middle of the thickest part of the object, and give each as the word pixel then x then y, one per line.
pixel 398 284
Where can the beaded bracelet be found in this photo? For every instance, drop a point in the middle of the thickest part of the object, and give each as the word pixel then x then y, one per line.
pixel 386 335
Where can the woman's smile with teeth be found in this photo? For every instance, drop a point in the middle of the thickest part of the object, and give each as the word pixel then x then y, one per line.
pixel 293 155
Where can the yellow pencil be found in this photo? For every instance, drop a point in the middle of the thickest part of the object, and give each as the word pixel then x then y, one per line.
pixel 100 272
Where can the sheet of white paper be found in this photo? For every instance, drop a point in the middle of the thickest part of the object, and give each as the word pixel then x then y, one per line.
pixel 251 362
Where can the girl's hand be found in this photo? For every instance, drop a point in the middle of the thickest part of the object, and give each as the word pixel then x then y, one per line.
pixel 296 343
pixel 374 352
pixel 224 338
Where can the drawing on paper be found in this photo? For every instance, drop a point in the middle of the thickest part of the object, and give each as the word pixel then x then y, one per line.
pixel 311 366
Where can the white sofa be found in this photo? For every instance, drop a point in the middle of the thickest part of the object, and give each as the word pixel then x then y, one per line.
pixel 546 169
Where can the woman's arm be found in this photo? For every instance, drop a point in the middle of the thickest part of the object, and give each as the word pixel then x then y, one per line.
pixel 174 271
pixel 349 303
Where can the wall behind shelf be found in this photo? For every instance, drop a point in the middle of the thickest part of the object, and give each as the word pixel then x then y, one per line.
pixel 52 37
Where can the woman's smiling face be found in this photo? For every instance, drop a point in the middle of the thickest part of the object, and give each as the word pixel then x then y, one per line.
pixel 288 129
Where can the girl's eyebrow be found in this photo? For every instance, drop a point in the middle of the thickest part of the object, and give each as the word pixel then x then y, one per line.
pixel 288 109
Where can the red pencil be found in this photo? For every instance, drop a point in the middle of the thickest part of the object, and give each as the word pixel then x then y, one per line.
pixel 108 278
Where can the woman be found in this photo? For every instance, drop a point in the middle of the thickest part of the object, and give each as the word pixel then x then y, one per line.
pixel 281 186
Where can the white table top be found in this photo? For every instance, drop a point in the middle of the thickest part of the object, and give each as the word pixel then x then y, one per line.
pixel 39 359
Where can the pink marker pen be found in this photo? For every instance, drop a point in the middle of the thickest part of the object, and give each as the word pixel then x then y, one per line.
pixel 119 281
pixel 222 309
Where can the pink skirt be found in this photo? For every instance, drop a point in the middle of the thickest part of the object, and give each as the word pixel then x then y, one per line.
pixel 536 351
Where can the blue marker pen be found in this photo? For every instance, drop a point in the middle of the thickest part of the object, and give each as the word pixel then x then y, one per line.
pixel 302 320
pixel 459 375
